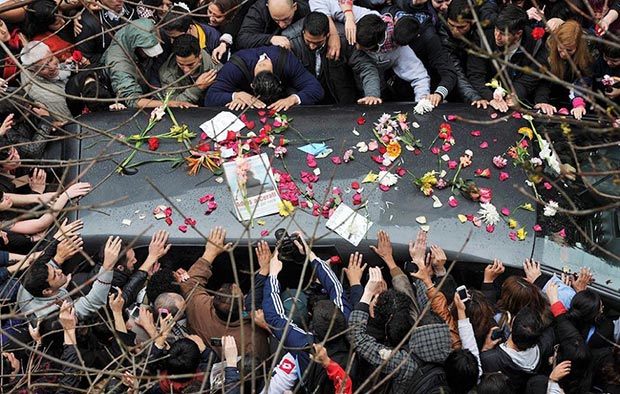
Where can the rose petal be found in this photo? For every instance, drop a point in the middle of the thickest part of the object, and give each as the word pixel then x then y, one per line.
pixel 355 185
pixel 475 133
pixel 547 186
pixel 435 150
pixel 484 145
pixel 169 220
pixel 562 233
pixel 385 188
pixel 264 233
pixel 453 202
pixel 373 145
pixel 494 115
pixel 452 164
pixel 335 259
pixel 537 227
pixel 490 228
pixel 503 176
pixel 183 229
pixel 505 211
pixel 336 160
pixel 513 235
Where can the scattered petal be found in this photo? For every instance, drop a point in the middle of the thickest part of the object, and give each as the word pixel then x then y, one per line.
pixel 562 233
pixel 452 164
pixel 373 145
pixel 453 202
pixel 513 235
pixel 484 145
pixel 462 218
pixel 355 132
pixel 425 228
pixel 505 211
pixel 475 133
pixel 168 220
pixel 421 219
pixel 537 228
pixel 370 178
pixel 357 199
pixel 494 115
pixel 264 233
pixel 126 222
pixel 547 186
pixel 436 202
pixel 361 120
pixel 503 176
pixel 355 185
pixel 490 228
pixel 336 160
pixel 477 222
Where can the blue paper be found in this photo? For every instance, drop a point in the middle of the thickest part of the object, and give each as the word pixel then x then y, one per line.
pixel 314 148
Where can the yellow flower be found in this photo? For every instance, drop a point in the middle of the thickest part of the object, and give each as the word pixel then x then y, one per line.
pixel 393 149
pixel 521 233
pixel 493 84
pixel 426 183
pixel 527 132
pixel 402 118
pixel 528 207
pixel 285 207
pixel 512 223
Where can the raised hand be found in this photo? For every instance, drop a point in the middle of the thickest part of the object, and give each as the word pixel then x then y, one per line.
pixel 111 252
pixel 417 249
pixel 264 256
pixel 532 270
pixel 493 271
pixel 215 244
pixel 384 248
pixel 355 269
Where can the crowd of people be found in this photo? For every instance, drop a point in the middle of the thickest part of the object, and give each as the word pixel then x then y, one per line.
pixel 125 326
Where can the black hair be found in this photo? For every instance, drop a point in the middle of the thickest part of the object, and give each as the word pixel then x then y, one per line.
pixel 512 18
pixel 388 303
pixel 398 327
pixel 183 358
pixel 611 51
pixel 52 335
pixel 575 350
pixel 327 320
pixel 41 14
pixel 584 309
pixel 88 84
pixel 36 279
pixel 461 371
pixel 370 31
pixel 527 328
pixel 177 19
pixel 5 148
pixel 186 45
pixel 494 383
pixel 267 87
pixel 406 30
pixel 161 281
pixel 226 304
pixel 459 11
pixel 316 24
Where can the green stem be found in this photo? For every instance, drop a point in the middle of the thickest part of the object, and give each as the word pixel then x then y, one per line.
pixel 456 176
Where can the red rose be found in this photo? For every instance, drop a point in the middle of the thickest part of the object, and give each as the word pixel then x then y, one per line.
pixel 361 121
pixel 538 33
pixel 153 143
pixel 77 56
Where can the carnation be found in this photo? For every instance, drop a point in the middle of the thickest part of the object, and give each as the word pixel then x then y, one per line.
pixel 551 208
pixel 488 213
pixel 386 178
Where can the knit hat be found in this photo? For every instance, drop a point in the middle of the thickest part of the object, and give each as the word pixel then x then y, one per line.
pixel 34 52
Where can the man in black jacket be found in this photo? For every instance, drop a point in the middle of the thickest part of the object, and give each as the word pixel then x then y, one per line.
pixel 511 42
pixel 525 352
pixel 308 38
pixel 265 21
pixel 99 27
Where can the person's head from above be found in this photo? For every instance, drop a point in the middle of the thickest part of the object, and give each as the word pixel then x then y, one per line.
pixel 282 12
pixel 162 281
pixel 459 18
pixel 577 351
pixel 43 279
pixel 391 311
pixel 481 315
pixel 406 30
pixel 441 6
pixel 266 85
pixel 315 30
pixel 611 55
pixel 162 7
pixel 586 308
pixel 38 59
pixel 183 358
pixel 176 22
pixel 509 26
pixel 5 34
pixel 461 368
pixel 94 88
pixel 220 12
pixel 5 201
pixel 327 321
pixel 494 383
pixel 226 301
pixel 172 302
pixel 115 6
pixel 9 157
pixel 370 35
pixel 188 54
pixel 518 293
pixel 42 16
pixel 527 328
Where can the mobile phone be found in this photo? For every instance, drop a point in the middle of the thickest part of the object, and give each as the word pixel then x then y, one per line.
pixel 135 311
pixel 163 312
pixel 497 334
pixel 216 342
pixel 463 294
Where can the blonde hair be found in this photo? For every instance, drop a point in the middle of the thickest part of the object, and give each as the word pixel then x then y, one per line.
pixel 568 34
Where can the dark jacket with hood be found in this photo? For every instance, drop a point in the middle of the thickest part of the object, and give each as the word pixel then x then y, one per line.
pixel 29 134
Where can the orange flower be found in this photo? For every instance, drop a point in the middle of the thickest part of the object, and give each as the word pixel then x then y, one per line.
pixel 202 159
pixel 393 149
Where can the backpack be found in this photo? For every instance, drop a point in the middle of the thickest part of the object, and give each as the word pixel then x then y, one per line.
pixel 430 379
